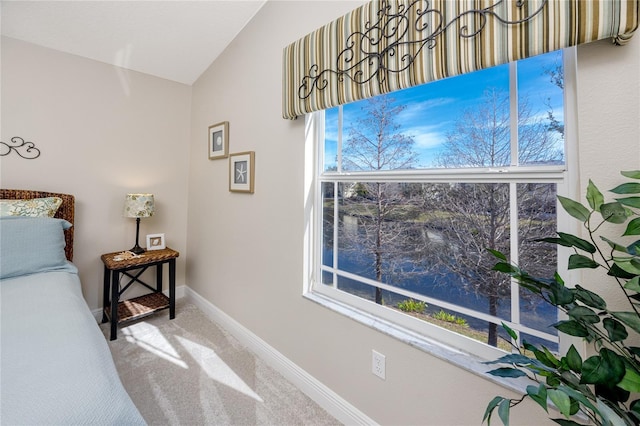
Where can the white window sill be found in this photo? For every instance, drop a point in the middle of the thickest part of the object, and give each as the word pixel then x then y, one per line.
pixel 457 357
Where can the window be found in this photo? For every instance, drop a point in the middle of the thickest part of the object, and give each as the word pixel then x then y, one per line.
pixel 413 187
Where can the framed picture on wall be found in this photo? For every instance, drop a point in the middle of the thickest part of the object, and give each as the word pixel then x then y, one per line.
pixel 219 140
pixel 241 172
pixel 155 242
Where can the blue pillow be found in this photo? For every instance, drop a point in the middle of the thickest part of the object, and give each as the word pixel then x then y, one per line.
pixel 29 245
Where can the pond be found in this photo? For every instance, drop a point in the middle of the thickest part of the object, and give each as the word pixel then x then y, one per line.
pixel 445 286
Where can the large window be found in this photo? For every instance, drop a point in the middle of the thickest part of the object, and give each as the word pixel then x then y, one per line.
pixel 413 187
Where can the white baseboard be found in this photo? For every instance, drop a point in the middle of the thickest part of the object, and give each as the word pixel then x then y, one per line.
pixel 321 394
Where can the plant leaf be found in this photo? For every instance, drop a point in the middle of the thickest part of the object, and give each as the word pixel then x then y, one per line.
pixel 577 242
pixel 578 261
pixel 589 298
pixel 582 313
pixel 630 319
pixel 627 264
pixel 594 196
pixel 631 380
pixel 629 201
pixel 506 268
pixel 565 422
pixel 561 400
pixel 578 396
pixel 490 407
pixel 614 245
pixel 609 417
pixel 616 271
pixel 507 372
pixel 614 212
pixel 633 248
pixel 632 174
pixel 633 284
pixel 497 254
pixel 574 208
pixel 635 408
pixel 627 188
pixel 560 295
pixel 503 411
pixel 512 359
pixel 574 360
pixel 633 227
pixel 616 331
pixel 572 328
pixel 607 368
pixel 510 331
pixel 539 395
pixel 553 240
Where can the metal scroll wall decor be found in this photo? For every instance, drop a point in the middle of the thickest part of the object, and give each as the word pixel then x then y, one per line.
pixel 394 41
pixel 18 145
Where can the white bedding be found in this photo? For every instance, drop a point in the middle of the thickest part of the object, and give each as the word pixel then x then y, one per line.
pixel 56 367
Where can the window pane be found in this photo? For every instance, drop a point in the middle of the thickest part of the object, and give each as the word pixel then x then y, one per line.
pixel 327 223
pixel 537 219
pixel 541 110
pixel 330 139
pixel 427 239
pixel 464 220
pixel 455 122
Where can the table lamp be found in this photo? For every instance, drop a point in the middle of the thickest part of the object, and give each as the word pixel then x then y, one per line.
pixel 138 205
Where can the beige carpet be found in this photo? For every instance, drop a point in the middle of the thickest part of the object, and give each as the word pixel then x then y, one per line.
pixel 188 371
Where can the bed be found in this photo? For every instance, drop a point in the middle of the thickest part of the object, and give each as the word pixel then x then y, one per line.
pixel 55 365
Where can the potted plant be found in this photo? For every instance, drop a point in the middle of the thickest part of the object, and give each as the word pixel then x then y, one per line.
pixel 600 387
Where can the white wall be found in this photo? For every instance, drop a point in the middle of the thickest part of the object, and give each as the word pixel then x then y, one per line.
pixel 102 131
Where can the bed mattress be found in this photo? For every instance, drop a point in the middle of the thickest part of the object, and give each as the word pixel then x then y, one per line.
pixel 56 367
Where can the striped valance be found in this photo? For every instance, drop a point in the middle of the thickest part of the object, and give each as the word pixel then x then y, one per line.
pixel 390 45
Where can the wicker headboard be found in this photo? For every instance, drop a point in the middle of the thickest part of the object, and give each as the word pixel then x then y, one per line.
pixel 66 210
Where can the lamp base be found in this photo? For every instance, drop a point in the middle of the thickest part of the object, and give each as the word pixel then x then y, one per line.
pixel 137 249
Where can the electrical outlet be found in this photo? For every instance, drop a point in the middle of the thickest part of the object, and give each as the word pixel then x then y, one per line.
pixel 378 364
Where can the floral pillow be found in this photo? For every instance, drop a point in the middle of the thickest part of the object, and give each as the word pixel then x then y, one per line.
pixel 35 207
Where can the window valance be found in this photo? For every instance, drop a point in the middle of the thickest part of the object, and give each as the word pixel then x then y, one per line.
pixel 385 46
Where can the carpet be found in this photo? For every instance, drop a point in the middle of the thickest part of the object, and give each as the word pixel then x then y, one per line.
pixel 189 371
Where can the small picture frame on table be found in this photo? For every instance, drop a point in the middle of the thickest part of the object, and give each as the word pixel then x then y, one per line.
pixel 219 140
pixel 241 171
pixel 155 242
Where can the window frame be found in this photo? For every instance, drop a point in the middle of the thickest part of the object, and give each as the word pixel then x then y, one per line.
pixel 413 331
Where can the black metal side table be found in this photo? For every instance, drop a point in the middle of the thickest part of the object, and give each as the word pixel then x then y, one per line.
pixel 118 311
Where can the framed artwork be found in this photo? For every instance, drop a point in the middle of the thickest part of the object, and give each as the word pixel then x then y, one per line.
pixel 219 140
pixel 241 171
pixel 155 242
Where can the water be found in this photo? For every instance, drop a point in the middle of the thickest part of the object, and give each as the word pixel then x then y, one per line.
pixel 446 287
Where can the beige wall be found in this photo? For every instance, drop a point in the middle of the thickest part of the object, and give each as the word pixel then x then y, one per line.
pixel 609 125
pixel 102 131
pixel 245 251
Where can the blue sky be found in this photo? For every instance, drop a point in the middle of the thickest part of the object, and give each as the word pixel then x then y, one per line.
pixel 433 108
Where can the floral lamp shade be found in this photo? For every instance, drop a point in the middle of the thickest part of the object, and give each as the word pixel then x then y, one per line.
pixel 138 205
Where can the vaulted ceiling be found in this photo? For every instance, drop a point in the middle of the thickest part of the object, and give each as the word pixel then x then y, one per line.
pixel 175 40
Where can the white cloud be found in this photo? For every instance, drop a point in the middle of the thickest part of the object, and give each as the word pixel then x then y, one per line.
pixel 425 137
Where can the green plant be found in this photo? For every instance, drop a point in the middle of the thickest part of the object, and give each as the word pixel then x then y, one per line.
pixel 600 386
pixel 446 316
pixel 410 305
